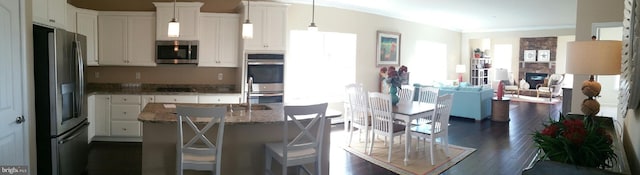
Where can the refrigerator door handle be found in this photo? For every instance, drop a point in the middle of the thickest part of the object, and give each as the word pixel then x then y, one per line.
pixel 80 95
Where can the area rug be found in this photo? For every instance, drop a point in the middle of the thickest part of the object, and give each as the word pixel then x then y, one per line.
pixel 529 99
pixel 419 161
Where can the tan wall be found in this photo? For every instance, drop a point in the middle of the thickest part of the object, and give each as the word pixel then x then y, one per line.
pixel 169 74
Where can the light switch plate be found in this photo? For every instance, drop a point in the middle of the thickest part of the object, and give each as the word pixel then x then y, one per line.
pixel 220 76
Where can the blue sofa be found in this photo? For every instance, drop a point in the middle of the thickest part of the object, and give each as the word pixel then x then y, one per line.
pixel 469 102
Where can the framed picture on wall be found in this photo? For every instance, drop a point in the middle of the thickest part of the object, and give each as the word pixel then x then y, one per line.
pixel 529 55
pixel 387 48
pixel 544 55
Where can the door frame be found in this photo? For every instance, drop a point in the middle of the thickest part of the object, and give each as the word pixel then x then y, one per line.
pixel 28 102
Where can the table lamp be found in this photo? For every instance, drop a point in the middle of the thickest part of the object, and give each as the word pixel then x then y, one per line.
pixel 593 58
pixel 460 69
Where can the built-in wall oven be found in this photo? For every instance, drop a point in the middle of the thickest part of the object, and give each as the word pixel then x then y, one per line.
pixel 265 77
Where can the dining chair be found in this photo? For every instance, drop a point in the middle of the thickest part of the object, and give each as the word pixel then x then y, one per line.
pixel 438 128
pixel 203 156
pixel 405 95
pixel 359 113
pixel 306 147
pixel 383 119
pixel 426 94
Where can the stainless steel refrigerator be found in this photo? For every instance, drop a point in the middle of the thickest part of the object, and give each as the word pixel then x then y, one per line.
pixel 61 120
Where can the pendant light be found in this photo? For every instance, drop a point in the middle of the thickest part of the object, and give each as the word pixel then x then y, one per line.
pixel 312 27
pixel 247 27
pixel 174 26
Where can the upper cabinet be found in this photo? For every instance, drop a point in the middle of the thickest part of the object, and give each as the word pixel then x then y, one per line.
pixel 269 26
pixel 71 18
pixel 87 25
pixel 219 35
pixel 186 13
pixel 126 38
pixel 50 12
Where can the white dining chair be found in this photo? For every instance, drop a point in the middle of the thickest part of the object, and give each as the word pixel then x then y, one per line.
pixel 199 153
pixel 438 128
pixel 383 120
pixel 426 94
pixel 359 113
pixel 405 95
pixel 306 147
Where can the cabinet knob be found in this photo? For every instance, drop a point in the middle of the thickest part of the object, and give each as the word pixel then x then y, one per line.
pixel 125 113
pixel 175 99
pixel 124 129
pixel 52 20
pixel 125 99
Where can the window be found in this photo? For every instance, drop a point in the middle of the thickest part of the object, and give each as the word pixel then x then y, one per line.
pixel 503 56
pixel 319 66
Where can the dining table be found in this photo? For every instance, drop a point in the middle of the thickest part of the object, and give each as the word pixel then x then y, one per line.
pixel 408 112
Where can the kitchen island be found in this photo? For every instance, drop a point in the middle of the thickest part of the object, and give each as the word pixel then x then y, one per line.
pixel 245 134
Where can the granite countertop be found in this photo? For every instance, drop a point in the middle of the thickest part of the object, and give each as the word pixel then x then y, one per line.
pixel 152 89
pixel 158 113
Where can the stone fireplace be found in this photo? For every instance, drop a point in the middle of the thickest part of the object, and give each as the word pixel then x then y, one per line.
pixel 537 69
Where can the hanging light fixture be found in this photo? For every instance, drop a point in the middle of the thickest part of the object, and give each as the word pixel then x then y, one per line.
pixel 247 27
pixel 312 27
pixel 174 26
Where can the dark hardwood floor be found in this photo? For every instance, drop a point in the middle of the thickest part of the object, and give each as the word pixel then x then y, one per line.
pixel 502 147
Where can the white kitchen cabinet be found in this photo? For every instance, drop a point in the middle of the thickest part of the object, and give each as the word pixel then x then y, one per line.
pixel 219 35
pixel 100 111
pixel 126 128
pixel 50 12
pixel 71 19
pixel 87 25
pixel 269 26
pixel 220 99
pixel 146 99
pixel 124 115
pixel 187 14
pixel 176 99
pixel 126 39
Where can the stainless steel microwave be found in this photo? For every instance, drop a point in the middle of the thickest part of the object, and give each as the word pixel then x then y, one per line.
pixel 177 52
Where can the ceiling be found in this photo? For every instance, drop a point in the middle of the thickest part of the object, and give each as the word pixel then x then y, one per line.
pixel 457 15
pixel 468 15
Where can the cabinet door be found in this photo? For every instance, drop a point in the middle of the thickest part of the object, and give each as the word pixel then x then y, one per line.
pixel 71 19
pixel 229 34
pixel 40 11
pixel 121 112
pixel 87 25
pixel 125 128
pixel 220 99
pixel 102 114
pixel 112 39
pixel 274 29
pixel 145 100
pixel 176 99
pixel 58 12
pixel 188 18
pixel 141 41
pixel 256 16
pixel 208 48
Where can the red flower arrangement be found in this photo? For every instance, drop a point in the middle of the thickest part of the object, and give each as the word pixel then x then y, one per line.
pixel 394 77
pixel 579 141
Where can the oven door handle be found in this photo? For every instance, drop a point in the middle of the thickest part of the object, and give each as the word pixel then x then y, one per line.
pixel 266 95
pixel 265 63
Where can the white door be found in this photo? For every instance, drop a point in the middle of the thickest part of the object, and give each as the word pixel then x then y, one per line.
pixel 13 145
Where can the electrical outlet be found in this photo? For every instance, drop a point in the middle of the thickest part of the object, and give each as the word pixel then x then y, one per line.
pixel 220 76
pixel 137 75
pixel 96 74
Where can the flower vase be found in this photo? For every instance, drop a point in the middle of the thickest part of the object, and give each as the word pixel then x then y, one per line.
pixel 394 95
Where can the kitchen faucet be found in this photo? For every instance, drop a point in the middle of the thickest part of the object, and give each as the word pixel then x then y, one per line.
pixel 249 90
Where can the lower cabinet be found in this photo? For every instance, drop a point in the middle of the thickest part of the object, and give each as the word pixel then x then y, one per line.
pixel 115 117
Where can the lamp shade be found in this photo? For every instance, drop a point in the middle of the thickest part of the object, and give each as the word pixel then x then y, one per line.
pixel 502 74
pixel 460 68
pixel 247 30
pixel 174 29
pixel 594 57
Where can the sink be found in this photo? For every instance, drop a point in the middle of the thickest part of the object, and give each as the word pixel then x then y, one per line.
pixel 253 107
